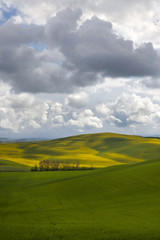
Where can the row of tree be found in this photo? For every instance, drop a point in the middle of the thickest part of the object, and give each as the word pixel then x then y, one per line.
pixel 48 165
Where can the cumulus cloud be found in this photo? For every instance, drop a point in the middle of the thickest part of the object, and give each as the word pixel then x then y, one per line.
pixel 25 111
pixel 132 109
pixel 12 34
pixel 136 20
pixel 77 100
pixel 72 56
pixel 38 11
pixel 56 114
pixel 85 118
pixel 95 48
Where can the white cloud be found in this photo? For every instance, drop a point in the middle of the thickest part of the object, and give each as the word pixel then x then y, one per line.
pixel 5 123
pixel 59 119
pixel 77 100
pixel 57 108
pixel 24 111
pixel 85 118
pixel 136 20
pixel 34 124
pixel 17 19
pixel 132 109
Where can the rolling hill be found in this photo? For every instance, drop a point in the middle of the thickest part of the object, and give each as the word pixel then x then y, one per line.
pixel 113 203
pixel 92 150
pixel 118 201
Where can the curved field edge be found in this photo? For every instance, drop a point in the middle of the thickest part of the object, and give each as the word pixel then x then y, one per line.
pixel 90 150
pixel 10 166
pixel 116 203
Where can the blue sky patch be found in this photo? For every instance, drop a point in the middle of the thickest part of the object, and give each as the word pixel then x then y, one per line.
pixel 38 47
pixel 8 13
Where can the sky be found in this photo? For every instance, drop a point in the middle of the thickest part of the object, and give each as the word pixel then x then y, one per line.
pixel 73 67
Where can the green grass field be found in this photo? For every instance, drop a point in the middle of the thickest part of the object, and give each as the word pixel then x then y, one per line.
pixel 116 203
pixel 93 150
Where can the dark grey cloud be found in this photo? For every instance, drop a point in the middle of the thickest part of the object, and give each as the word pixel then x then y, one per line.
pixel 25 68
pixel 77 56
pixel 94 47
pixel 15 34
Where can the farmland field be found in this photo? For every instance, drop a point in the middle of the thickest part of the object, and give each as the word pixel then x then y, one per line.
pixel 92 150
pixel 118 202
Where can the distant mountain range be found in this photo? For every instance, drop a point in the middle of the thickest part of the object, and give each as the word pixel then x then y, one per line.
pixel 3 140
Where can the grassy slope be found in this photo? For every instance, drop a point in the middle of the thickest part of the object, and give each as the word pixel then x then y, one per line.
pixel 9 166
pixel 118 203
pixel 97 150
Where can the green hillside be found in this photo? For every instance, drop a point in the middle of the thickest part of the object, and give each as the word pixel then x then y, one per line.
pixel 114 203
pixel 93 150
pixel 9 166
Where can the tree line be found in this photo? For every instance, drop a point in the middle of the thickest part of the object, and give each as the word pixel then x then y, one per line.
pixel 49 165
